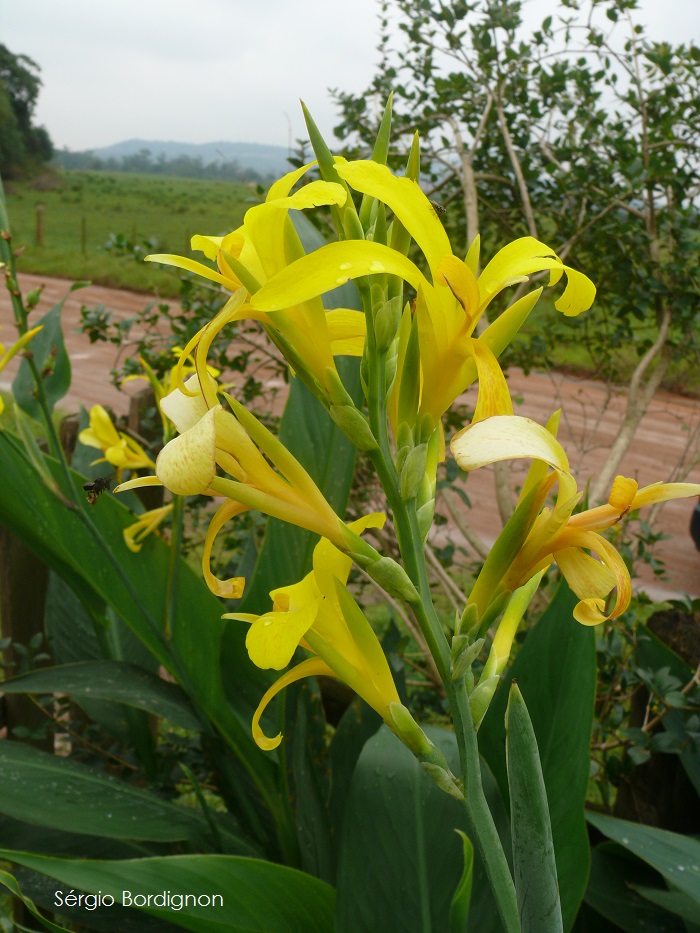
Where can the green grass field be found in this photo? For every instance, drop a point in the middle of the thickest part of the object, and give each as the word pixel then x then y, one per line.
pixel 82 209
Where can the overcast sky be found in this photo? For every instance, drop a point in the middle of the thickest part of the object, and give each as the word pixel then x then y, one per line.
pixel 215 69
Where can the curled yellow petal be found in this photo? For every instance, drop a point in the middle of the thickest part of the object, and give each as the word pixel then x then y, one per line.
pixel 506 437
pixel 233 587
pixel 187 464
pixel 622 493
pixel 313 667
pixel 590 612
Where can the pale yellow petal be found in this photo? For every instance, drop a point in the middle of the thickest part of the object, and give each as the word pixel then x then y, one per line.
pixel 187 465
pixel 662 492
pixel 506 437
pixel 185 410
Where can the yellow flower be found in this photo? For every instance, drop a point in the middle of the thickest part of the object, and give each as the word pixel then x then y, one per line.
pixel 212 439
pixel 558 534
pixel 265 244
pixel 449 303
pixel 119 449
pixel 134 535
pixel 319 614
pixel 6 355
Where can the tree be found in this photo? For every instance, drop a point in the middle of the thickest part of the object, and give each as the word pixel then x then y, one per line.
pixel 23 146
pixel 582 132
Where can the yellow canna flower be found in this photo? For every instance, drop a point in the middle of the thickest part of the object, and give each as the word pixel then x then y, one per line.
pixel 6 355
pixel 134 535
pixel 449 303
pixel 265 244
pixel 212 439
pixel 319 614
pixel 119 449
pixel 591 565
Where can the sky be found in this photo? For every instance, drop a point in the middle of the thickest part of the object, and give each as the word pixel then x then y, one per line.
pixel 215 70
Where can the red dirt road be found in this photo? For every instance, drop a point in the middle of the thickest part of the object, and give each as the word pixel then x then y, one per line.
pixel 588 426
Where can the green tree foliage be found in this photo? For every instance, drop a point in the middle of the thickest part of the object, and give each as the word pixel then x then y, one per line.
pixel 582 132
pixel 23 146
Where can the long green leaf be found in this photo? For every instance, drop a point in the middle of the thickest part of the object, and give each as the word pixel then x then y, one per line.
pixel 257 896
pixel 675 857
pixel 10 882
pixel 111 680
pixel 60 793
pixel 556 673
pixel 612 893
pixel 400 859
pixel 533 850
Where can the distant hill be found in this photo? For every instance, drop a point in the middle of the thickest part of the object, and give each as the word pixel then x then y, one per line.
pixel 253 160
pixel 267 160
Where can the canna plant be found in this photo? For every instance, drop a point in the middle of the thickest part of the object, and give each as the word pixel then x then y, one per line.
pixel 419 351
pixel 421 341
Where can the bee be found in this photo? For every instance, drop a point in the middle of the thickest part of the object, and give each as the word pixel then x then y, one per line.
pixel 95 487
pixel 438 208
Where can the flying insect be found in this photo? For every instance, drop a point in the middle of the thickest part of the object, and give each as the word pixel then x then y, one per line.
pixel 95 487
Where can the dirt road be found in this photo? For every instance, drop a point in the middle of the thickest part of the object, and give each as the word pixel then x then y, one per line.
pixel 590 422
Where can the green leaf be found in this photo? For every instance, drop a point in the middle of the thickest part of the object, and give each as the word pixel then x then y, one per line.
pixel 117 681
pixel 59 793
pixel 556 673
pixel 52 361
pixel 459 908
pixel 675 857
pixel 400 860
pixel 612 893
pixel 533 850
pixel 672 901
pixel 258 896
pixel 101 570
pixel 11 884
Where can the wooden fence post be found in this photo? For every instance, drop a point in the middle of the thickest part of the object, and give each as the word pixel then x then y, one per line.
pixel 39 230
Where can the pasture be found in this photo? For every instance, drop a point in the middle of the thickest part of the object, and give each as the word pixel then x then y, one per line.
pixel 64 221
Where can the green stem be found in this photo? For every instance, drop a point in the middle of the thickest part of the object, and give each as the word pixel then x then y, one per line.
pixel 479 817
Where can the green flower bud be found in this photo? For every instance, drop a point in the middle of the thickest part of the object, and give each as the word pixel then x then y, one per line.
pixel 469 623
pixel 412 471
pixel 354 426
pixel 386 323
pixel 464 654
pixel 393 578
pixel 444 779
